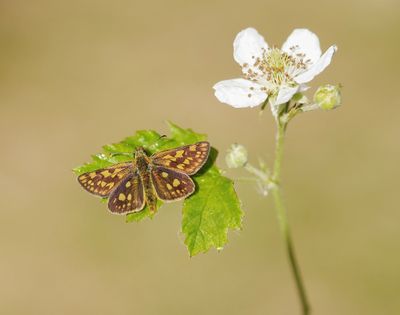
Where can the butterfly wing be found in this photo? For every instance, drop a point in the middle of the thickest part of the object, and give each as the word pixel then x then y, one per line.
pixel 128 196
pixel 101 182
pixel 187 159
pixel 171 185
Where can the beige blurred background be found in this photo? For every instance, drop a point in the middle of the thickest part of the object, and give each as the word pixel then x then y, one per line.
pixel 77 74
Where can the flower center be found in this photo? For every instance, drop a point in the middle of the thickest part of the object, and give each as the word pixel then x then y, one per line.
pixel 275 68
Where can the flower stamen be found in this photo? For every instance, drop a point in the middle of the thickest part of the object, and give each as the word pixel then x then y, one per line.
pixel 276 68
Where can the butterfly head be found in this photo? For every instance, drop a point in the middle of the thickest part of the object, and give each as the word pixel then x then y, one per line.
pixel 140 152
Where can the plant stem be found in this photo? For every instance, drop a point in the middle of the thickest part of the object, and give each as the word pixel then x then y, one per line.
pixel 283 220
pixel 257 172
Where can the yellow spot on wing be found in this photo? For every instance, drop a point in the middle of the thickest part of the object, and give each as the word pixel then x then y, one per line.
pixel 103 184
pixel 121 197
pixel 169 157
pixel 115 173
pixel 186 161
pixel 181 166
pixel 169 186
pixel 105 173
pixel 128 184
pixel 129 197
pixel 92 175
pixel 176 182
pixel 179 153
pixel 164 174
pixel 192 148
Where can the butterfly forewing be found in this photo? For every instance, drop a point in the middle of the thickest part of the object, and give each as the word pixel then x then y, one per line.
pixel 186 159
pixel 131 185
pixel 171 185
pixel 128 196
pixel 101 182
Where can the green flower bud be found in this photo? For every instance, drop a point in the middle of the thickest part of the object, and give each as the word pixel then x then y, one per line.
pixel 328 96
pixel 236 156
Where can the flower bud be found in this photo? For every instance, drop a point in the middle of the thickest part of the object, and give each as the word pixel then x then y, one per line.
pixel 236 156
pixel 328 96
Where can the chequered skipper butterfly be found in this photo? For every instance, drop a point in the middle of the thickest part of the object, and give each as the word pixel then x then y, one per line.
pixel 164 175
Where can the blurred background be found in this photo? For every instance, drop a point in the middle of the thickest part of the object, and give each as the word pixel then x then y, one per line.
pixel 78 74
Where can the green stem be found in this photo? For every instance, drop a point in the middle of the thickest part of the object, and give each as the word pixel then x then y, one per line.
pixel 283 220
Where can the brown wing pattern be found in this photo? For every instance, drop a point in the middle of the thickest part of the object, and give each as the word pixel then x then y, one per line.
pixel 101 182
pixel 128 196
pixel 186 159
pixel 171 185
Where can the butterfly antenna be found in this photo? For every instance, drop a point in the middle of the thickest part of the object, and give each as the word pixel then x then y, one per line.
pixel 157 143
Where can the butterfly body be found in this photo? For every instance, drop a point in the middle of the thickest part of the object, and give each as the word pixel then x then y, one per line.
pixel 164 175
pixel 144 168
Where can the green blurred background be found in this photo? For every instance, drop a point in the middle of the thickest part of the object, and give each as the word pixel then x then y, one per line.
pixel 77 74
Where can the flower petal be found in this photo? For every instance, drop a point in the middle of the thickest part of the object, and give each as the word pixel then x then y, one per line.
pixel 303 41
pixel 303 88
pixel 239 93
pixel 318 67
pixel 285 94
pixel 247 46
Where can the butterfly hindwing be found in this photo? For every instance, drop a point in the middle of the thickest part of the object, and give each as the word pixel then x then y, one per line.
pixel 128 196
pixel 171 185
pixel 129 186
pixel 186 159
pixel 101 182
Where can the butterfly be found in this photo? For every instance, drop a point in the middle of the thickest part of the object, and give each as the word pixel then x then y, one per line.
pixel 165 175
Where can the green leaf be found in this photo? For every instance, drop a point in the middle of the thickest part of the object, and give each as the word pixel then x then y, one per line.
pixel 184 136
pixel 208 213
pixel 138 216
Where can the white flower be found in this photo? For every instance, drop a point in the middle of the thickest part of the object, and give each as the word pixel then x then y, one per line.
pixel 272 73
